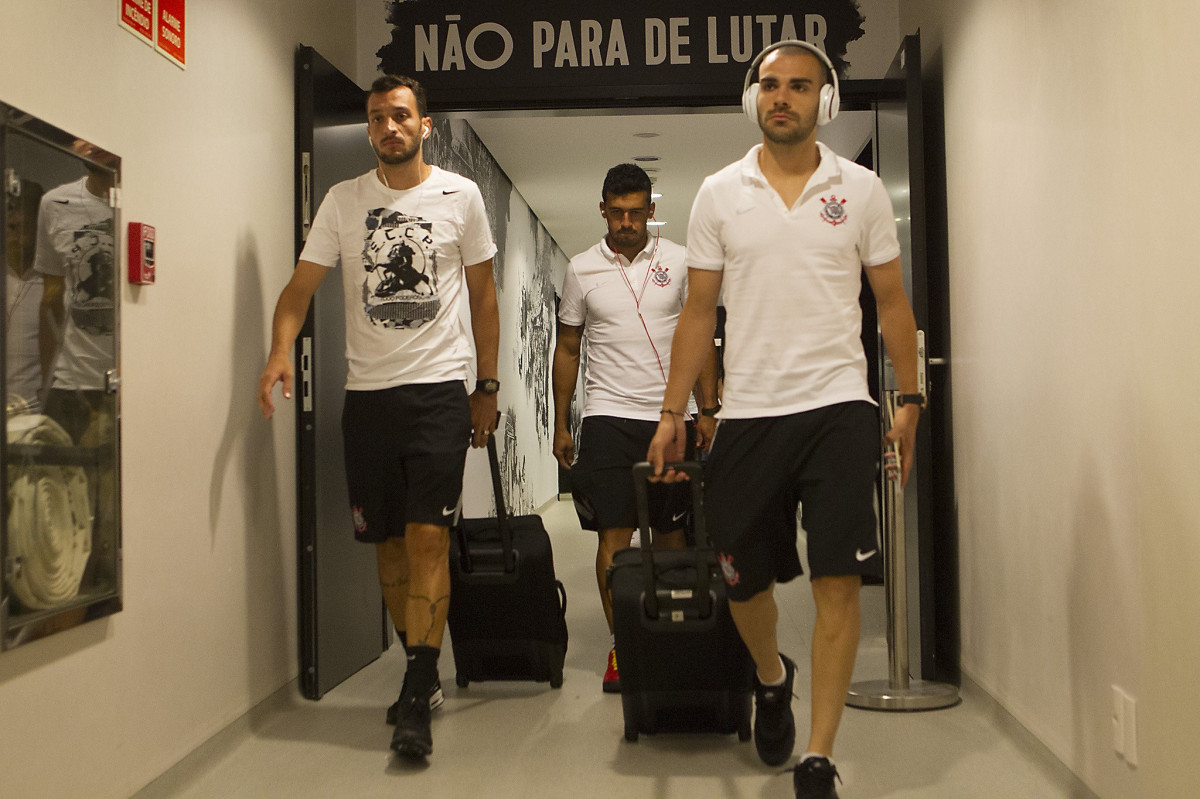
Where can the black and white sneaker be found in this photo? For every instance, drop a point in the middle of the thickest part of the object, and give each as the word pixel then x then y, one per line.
pixel 436 700
pixel 813 779
pixel 413 737
pixel 774 726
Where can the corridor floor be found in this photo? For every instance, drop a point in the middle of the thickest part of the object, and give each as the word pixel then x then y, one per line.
pixel 526 741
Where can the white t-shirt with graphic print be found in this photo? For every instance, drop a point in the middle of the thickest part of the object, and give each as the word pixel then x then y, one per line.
pixel 791 281
pixel 402 255
pixel 75 241
pixel 627 364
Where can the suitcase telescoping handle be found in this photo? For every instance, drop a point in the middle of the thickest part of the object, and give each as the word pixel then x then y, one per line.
pixel 502 522
pixel 642 472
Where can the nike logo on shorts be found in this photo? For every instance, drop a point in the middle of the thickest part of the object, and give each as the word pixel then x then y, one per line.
pixel 447 511
pixel 678 516
pixel 860 556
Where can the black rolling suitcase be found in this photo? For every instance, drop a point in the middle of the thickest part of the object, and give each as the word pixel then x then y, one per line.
pixel 683 665
pixel 507 611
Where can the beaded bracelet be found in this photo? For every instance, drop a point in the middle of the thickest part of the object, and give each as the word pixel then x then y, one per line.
pixel 668 410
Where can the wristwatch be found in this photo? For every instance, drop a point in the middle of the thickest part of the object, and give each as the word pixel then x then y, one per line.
pixel 710 411
pixel 912 399
pixel 488 386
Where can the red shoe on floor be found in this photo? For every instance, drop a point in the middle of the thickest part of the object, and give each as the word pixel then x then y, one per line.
pixel 612 679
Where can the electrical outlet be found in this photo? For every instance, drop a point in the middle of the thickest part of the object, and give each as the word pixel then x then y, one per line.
pixel 1130 735
pixel 1118 720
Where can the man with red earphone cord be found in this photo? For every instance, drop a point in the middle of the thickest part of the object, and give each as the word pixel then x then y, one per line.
pixel 623 297
pixel 784 235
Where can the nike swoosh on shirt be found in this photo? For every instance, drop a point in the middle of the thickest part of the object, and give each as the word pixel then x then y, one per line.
pixel 445 191
pixel 860 556
pixel 63 202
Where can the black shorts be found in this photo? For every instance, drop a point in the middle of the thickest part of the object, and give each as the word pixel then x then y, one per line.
pixel 827 461
pixel 602 476
pixel 405 448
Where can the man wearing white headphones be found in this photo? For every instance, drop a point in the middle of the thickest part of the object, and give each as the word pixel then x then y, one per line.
pixel 413 244
pixel 784 235
pixel 624 296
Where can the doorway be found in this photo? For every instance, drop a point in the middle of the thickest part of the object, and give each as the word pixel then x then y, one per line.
pixel 333 106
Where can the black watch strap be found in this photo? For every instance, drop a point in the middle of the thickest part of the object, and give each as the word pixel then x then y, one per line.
pixel 488 386
pixel 710 411
pixel 912 399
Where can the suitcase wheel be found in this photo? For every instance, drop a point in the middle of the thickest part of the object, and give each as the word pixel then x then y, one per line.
pixel 744 732
pixel 461 680
pixel 631 735
pixel 556 678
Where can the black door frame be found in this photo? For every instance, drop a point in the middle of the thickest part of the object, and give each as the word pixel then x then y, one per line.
pixel 342 101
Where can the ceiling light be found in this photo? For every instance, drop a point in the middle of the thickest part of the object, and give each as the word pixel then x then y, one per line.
pixel 645 135
pixel 655 195
pixel 645 159
pixel 655 223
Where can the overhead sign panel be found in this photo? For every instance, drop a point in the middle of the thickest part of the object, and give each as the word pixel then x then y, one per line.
pixel 479 53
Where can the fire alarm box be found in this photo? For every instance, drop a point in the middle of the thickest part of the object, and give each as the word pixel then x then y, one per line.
pixel 141 253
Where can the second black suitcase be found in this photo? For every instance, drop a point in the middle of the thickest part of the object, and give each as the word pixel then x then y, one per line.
pixel 683 665
pixel 507 611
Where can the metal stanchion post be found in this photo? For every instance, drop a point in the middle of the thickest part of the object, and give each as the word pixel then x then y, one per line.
pixel 899 691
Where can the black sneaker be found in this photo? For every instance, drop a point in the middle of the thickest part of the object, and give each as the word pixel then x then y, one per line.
pixel 412 737
pixel 774 726
pixel 813 779
pixel 436 700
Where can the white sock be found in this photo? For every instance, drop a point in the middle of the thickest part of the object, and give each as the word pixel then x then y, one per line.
pixel 778 682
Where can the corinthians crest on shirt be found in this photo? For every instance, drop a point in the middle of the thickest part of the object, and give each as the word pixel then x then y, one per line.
pixel 660 275
pixel 833 210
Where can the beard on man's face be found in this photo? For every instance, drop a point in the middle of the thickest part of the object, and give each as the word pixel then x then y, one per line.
pixel 396 155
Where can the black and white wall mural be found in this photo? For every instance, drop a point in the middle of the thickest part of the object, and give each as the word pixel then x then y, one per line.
pixel 526 259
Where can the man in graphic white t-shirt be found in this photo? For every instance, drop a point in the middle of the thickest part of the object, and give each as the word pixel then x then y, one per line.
pixel 76 258
pixel 623 297
pixel 413 245
pixel 784 235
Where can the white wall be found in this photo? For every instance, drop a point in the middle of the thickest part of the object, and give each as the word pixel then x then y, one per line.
pixel 1070 178
pixel 208 628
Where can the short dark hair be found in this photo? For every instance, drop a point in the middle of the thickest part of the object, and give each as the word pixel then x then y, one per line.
pixel 385 83
pixel 625 179
pixel 798 50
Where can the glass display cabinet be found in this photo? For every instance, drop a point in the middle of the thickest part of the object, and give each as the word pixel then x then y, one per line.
pixel 60 515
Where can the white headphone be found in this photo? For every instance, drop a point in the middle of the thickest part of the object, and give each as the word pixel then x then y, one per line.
pixel 830 96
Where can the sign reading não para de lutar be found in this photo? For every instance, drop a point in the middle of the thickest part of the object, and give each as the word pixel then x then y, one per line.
pixel 479 52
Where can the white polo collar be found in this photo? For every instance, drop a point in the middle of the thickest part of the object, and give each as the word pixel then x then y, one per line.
pixel 611 255
pixel 828 170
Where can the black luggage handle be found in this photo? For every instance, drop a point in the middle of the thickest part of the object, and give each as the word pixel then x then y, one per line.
pixel 642 472
pixel 502 522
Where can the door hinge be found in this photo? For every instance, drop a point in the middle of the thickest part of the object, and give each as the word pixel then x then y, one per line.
pixel 306 373
pixel 305 194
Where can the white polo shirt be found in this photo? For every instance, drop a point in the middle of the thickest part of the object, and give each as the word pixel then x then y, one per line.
pixel 626 362
pixel 791 281
pixel 402 255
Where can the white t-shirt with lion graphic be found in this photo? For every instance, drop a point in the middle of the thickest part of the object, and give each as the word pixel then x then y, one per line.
pixel 402 255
